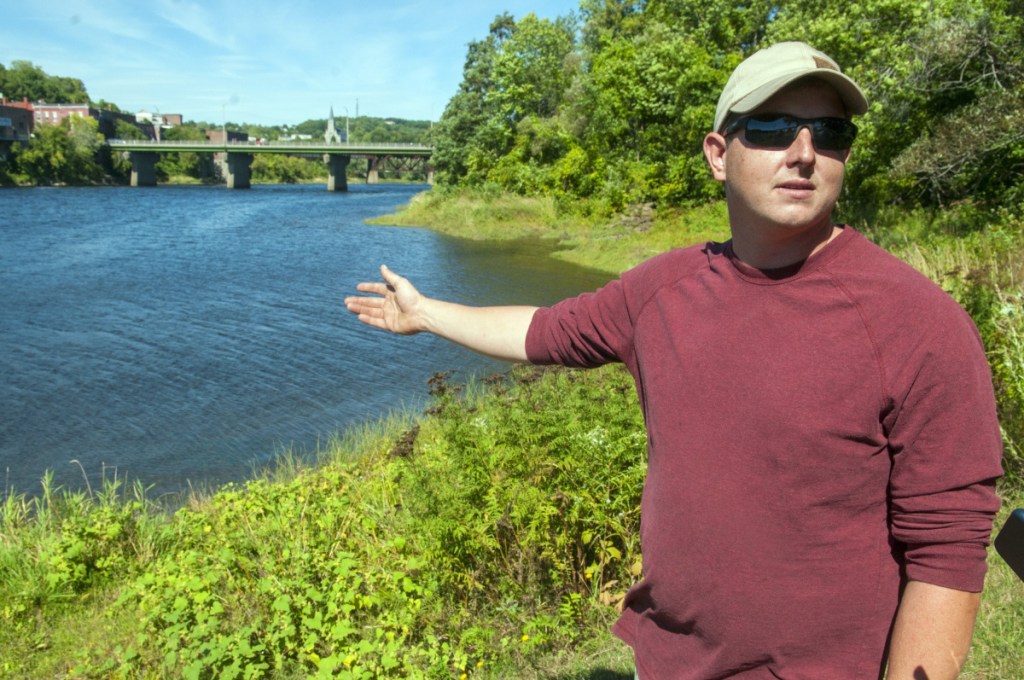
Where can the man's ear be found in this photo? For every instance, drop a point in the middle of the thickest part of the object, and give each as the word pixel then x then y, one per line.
pixel 714 153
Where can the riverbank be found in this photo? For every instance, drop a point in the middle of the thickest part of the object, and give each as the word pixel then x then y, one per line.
pixel 490 536
pixel 607 243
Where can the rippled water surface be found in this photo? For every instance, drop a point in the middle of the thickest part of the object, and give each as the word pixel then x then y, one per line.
pixel 186 334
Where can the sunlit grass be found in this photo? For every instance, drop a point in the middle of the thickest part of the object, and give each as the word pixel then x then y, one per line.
pixel 611 243
pixel 999 633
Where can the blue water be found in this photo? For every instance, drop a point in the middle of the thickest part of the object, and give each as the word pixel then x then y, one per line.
pixel 184 335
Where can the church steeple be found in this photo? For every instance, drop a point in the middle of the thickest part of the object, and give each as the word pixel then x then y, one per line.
pixel 331 135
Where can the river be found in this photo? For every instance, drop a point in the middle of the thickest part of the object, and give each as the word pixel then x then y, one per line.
pixel 185 335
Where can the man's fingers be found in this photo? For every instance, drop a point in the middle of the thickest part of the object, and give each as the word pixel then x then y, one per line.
pixel 374 321
pixel 389 275
pixel 373 287
pixel 358 305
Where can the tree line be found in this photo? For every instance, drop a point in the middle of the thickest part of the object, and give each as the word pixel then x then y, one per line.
pixel 608 107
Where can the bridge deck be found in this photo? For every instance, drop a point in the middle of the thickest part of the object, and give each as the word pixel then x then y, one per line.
pixel 295 147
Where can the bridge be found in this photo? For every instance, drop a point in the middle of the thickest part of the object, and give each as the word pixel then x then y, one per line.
pixel 239 154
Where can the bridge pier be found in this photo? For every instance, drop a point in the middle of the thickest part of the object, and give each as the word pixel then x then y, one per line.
pixel 337 164
pixel 373 169
pixel 143 168
pixel 430 175
pixel 239 170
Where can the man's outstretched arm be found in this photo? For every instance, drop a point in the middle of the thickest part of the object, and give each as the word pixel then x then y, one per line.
pixel 397 306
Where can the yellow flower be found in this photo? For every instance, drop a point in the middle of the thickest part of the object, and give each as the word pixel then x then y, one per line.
pixel 525 638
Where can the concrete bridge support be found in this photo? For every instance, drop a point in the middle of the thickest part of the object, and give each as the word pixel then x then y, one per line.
pixel 337 164
pixel 430 175
pixel 239 168
pixel 143 168
pixel 373 164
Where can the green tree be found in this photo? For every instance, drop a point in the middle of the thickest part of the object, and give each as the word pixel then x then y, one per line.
pixel 62 154
pixel 120 164
pixel 277 169
pixel 188 163
pixel 25 79
pixel 512 80
pixel 468 118
pixel 969 70
pixel 605 21
pixel 945 81
pixel 628 104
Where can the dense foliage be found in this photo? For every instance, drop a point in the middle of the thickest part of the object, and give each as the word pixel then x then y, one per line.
pixel 613 107
pixel 274 169
pixel 59 154
pixel 26 80
pixel 486 532
pixel 365 129
pixel 186 163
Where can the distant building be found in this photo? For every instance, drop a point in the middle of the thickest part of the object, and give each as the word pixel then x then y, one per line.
pixel 158 121
pixel 53 114
pixel 15 124
pixel 23 104
pixel 164 120
pixel 217 135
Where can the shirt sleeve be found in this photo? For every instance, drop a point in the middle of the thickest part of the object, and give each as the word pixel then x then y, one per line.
pixel 584 332
pixel 947 450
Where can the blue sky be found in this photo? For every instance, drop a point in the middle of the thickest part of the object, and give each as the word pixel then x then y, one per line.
pixel 258 61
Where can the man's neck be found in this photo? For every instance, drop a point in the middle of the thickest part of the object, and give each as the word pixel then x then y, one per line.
pixel 762 251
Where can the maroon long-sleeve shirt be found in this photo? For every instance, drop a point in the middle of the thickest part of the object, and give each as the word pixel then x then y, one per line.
pixel 816 436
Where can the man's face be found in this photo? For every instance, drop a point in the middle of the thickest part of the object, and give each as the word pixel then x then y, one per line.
pixel 788 189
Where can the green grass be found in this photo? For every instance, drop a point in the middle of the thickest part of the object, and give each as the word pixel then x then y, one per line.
pixel 607 243
pixel 999 633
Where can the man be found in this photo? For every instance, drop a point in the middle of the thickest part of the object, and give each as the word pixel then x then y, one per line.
pixel 822 438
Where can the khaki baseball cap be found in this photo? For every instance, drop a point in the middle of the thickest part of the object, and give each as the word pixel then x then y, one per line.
pixel 767 71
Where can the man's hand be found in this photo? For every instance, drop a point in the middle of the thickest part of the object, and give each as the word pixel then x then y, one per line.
pixel 498 332
pixel 397 309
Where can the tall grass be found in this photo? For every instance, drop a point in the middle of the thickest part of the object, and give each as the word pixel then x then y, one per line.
pixel 491 532
pixel 999 632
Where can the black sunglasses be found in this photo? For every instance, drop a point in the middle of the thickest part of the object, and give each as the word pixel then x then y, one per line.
pixel 777 131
